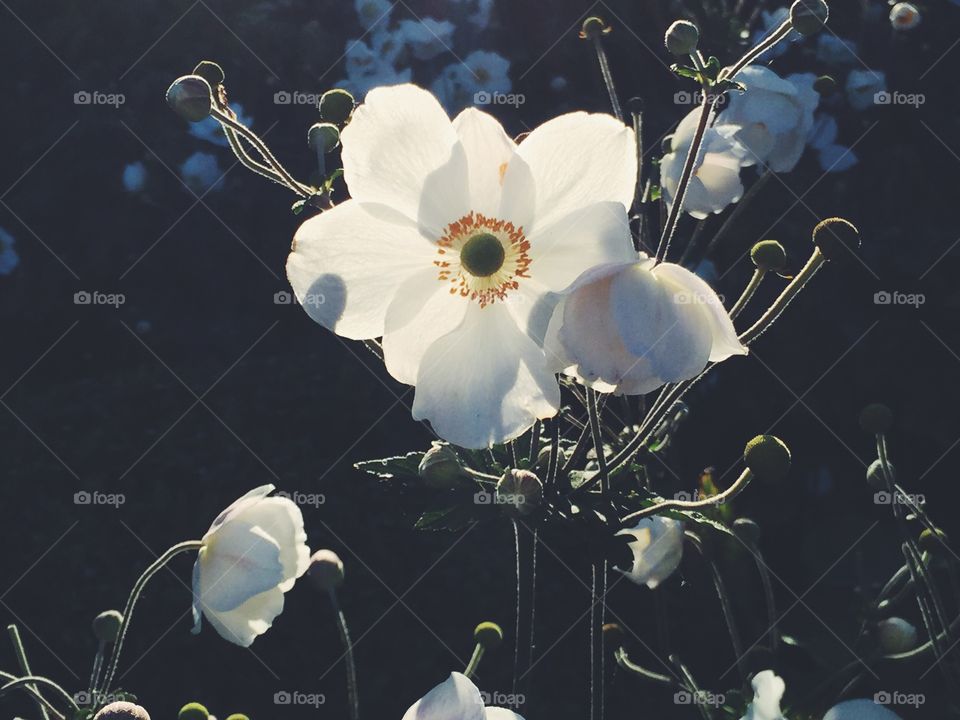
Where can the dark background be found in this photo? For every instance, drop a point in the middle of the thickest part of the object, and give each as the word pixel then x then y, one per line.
pixel 199 387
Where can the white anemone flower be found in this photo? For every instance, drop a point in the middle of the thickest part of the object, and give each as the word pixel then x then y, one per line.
pixel 426 37
pixel 860 709
pixel 481 76
pixel 863 87
pixel 627 329
pixel 454 246
pixel 904 16
pixel 657 548
pixel 251 555
pixel 768 689
pixel 715 182
pixel 456 698
pixel 773 117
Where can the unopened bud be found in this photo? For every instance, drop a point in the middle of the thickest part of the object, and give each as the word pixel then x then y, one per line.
pixel 904 16
pixel 325 570
pixel 825 85
pixel 323 137
pixel 876 418
pixel 769 255
pixel 193 711
pixel 932 540
pixel 896 636
pixel 682 38
pixel 106 626
pixel 809 16
pixel 489 635
pixel 519 492
pixel 747 530
pixel 767 457
pixel 336 106
pixel 209 71
pixel 440 468
pixel 836 238
pixel 593 27
pixel 613 634
pixel 190 97
pixel 877 478
pixel 121 710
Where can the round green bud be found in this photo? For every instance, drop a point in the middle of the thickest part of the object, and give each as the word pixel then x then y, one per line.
pixel 440 468
pixel 876 478
pixel 489 635
pixel 519 492
pixel 932 540
pixel 193 711
pixel 836 238
pixel 543 457
pixel 769 255
pixel 682 38
pixel 106 626
pixel 767 457
pixel 122 710
pixel 876 418
pixel 325 570
pixel 825 85
pixel 747 530
pixel 190 97
pixel 324 137
pixel 237 716
pixel 209 71
pixel 593 27
pixel 613 634
pixel 336 106
pixel 809 16
pixel 896 636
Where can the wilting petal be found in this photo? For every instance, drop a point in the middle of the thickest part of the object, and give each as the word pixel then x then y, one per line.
pixel 768 690
pixel 657 550
pixel 457 698
pixel 489 151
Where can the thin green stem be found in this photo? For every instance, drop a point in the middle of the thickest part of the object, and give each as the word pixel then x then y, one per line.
pixel 21 653
pixel 731 492
pixel 747 294
pixel 475 659
pixel 352 693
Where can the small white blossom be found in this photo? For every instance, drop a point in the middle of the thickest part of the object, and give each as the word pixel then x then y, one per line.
pixel 457 698
pixel 904 16
pixel 657 550
pixel 481 75
pixel 134 177
pixel 863 86
pixel 427 37
pixel 201 172
pixel 832 50
pixel 768 689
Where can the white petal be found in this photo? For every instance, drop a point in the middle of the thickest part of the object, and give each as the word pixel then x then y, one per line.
pixel 489 151
pixel 457 698
pixel 860 709
pixel 657 550
pixel 495 713
pixel 254 495
pixel 579 159
pixel 347 263
pixel 768 690
pixel 281 520
pixel 486 382
pixel 238 561
pixel 242 625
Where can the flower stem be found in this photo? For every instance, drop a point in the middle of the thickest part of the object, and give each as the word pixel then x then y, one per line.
pixel 731 492
pixel 475 659
pixel 748 292
pixel 598 439
pixel 21 653
pixel 352 694
pixel 29 683
pixel 607 77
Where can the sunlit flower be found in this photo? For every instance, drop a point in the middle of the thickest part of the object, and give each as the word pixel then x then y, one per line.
pixel 426 37
pixel 630 328
pixel 860 709
pixel 201 172
pixel 453 247
pixel 904 16
pixel 456 698
pixel 373 12
pixel 768 689
pixel 9 259
pixel 773 117
pixel 480 76
pixel 252 554
pixel 657 550
pixel 832 156
pixel 863 86
pixel 833 50
pixel 715 182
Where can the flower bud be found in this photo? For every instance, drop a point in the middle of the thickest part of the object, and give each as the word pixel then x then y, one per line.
pixel 808 16
pixel 932 540
pixel 876 418
pixel 440 468
pixel 747 530
pixel 325 570
pixel 896 636
pixel 825 85
pixel 613 634
pixel 123 711
pixel 106 626
pixel 190 97
pixel 593 27
pixel 237 716
pixel 209 71
pixel 488 635
pixel 769 255
pixel 682 38
pixel 193 711
pixel 519 492
pixel 876 478
pixel 323 137
pixel 767 457
pixel 336 106
pixel 543 457
pixel 836 238
pixel 904 16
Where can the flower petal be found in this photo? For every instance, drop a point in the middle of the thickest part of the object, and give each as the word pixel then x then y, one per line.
pixel 238 561
pixel 347 263
pixel 489 151
pixel 860 709
pixel 486 382
pixel 240 503
pixel 242 625
pixel 495 713
pixel 657 550
pixel 768 688
pixel 281 520
pixel 456 698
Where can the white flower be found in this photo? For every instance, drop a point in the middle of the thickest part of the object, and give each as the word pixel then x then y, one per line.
pixel 832 156
pixel 657 550
pixel 481 74
pixel 768 689
pixel 861 709
pixel 773 117
pixel 369 67
pixel 252 554
pixel 862 87
pixel 9 259
pixel 201 172
pixel 454 245
pixel 373 12
pixel 904 16
pixel 896 635
pixel 771 21
pixel 715 182
pixel 631 327
pixel 134 177
pixel 833 50
pixel 426 38
pixel 457 698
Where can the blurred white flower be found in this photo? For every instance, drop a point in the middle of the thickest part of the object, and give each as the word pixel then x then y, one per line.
pixel 480 75
pixel 456 698
pixel 768 689
pixel 631 327
pixel 773 117
pixel 657 550
pixel 252 554
pixel 134 177
pixel 831 156
pixel 369 67
pixel 9 259
pixel 454 245
pixel 770 21
pixel 833 50
pixel 861 709
pixel 896 635
pixel 201 172
pixel 904 16
pixel 373 12
pixel 209 130
pixel 715 182
pixel 427 37
pixel 863 86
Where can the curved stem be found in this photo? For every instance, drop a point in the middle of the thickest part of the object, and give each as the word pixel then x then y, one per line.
pixel 352 694
pixel 741 482
pixel 747 293
pixel 623 660
pixel 475 659
pixel 29 683
pixel 21 653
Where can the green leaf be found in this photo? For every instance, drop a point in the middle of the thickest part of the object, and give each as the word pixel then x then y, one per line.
pixel 392 468
pixel 453 517
pixel 298 207
pixel 685 71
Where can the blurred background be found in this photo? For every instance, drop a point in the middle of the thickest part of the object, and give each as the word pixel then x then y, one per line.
pixel 184 377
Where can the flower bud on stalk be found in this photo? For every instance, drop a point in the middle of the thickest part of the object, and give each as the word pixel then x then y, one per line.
pixel 326 570
pixel 876 478
pixel 190 97
pixel 809 16
pixel 519 492
pixel 932 540
pixel 336 106
pixel 682 38
pixel 193 711
pixel 769 255
pixel 896 636
pixel 836 237
pixel 209 71
pixel 323 137
pixel 440 468
pixel 767 457
pixel 123 711
pixel 593 28
pixel 106 626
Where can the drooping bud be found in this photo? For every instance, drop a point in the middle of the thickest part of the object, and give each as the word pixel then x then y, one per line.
pixel 876 418
pixel 237 716
pixel 190 97
pixel 209 71
pixel 836 238
pixel 593 27
pixel 769 255
pixel 440 468
pixel 767 457
pixel 747 530
pixel 122 710
pixel 682 38
pixel 193 711
pixel 106 626
pixel 876 478
pixel 324 137
pixel 932 540
pixel 336 106
pixel 825 85
pixel 519 492
pixel 809 16
pixel 896 636
pixel 489 635
pixel 325 570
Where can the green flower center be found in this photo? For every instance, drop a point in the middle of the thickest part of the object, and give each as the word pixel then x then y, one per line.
pixel 482 255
